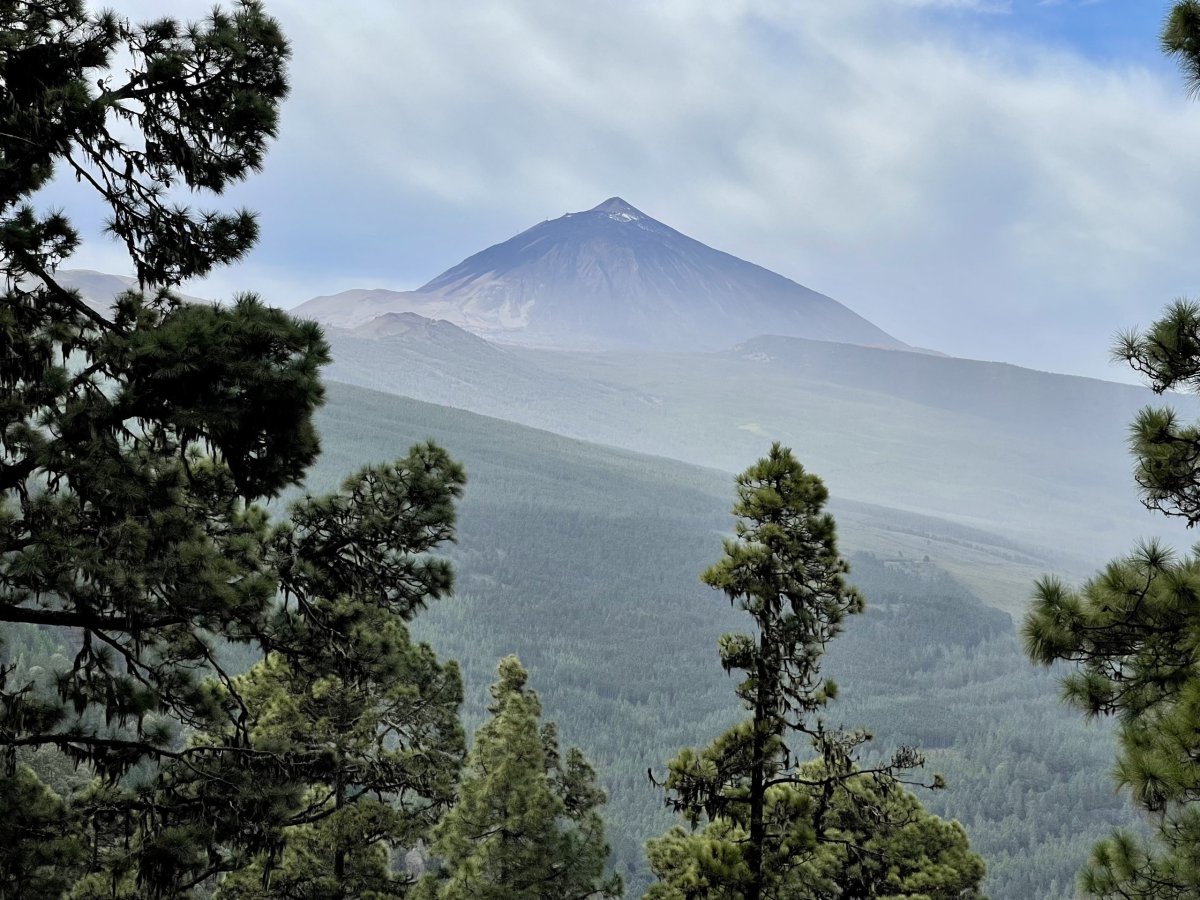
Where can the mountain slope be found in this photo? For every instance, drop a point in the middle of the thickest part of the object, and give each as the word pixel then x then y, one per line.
pixel 99 289
pixel 1038 457
pixel 584 560
pixel 607 277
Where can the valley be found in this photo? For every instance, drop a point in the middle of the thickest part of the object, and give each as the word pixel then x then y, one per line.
pixel 584 560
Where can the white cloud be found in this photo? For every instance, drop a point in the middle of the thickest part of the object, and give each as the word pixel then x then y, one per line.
pixel 974 193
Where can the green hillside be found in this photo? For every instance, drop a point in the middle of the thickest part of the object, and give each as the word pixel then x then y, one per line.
pixel 584 560
pixel 1039 458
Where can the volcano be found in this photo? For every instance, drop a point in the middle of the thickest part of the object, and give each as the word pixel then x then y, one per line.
pixel 605 278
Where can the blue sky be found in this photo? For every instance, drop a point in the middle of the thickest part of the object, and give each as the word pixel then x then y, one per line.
pixel 1111 31
pixel 1009 181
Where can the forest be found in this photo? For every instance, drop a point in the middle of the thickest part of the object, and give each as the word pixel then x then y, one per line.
pixel 269 635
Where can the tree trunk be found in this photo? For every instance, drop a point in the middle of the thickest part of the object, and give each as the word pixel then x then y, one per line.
pixel 339 854
pixel 754 850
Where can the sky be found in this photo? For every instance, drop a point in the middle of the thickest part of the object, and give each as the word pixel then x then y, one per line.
pixel 1008 180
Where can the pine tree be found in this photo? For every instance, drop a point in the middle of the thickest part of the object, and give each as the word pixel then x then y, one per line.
pixel 43 844
pixel 1133 630
pixel 1181 40
pixel 1132 633
pixel 367 720
pixel 135 436
pixel 769 819
pixel 527 824
pixel 371 718
pixel 138 442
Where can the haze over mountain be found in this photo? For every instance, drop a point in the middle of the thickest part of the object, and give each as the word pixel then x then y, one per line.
pixel 1037 457
pixel 1032 455
pixel 610 277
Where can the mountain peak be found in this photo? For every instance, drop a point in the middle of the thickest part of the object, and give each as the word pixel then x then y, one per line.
pixel 617 208
pixel 613 277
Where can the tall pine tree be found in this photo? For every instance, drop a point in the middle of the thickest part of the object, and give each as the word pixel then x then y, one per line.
pixel 137 443
pixel 771 822
pixel 135 436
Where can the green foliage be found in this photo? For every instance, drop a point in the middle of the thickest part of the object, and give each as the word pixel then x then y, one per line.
pixel 1181 39
pixel 784 570
pixel 1167 355
pixel 874 841
pixel 41 842
pixel 769 819
pixel 303 870
pixel 526 825
pixel 200 101
pixel 1132 633
pixel 139 443
pixel 342 745
pixel 133 439
pixel 368 724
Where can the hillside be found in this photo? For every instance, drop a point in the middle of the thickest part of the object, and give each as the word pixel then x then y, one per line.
pixel 584 560
pixel 99 288
pixel 1037 457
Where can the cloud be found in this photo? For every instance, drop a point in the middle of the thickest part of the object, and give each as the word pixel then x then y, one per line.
pixel 962 187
